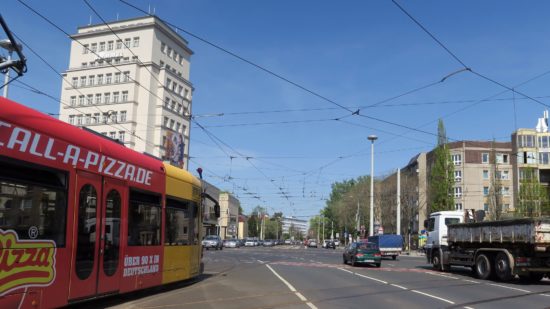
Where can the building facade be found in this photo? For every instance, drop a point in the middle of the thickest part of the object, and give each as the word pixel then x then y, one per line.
pixel 229 216
pixel 129 80
pixel 209 220
pixel 299 225
pixel 243 227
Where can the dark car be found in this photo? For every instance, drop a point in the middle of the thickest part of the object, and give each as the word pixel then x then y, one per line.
pixel 362 253
pixel 329 244
pixel 212 241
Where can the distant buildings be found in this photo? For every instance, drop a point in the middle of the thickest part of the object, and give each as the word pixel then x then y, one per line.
pixel 290 224
pixel 130 81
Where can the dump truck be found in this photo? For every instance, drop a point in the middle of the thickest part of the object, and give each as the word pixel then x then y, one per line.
pixel 492 249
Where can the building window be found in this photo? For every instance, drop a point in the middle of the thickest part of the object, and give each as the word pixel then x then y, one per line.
pixel 177 127
pixel 112 135
pixel 458 191
pixel 96 118
pixel 543 142
pixel 115 97
pixel 458 206
pixel 161 64
pixel 121 136
pixel 123 116
pixel 71 119
pixel 485 191
pixel 167 102
pixel 73 100
pixel 108 78
pixel 110 45
pixel 169 52
pixel 104 118
pixel 100 79
pixel 118 44
pixel 124 96
pixel 506 207
pixel 172 123
pixel 117 77
pixel 505 191
pixel 173 105
pixel 180 89
pixel 81 100
pixel 486 207
pixel 85 49
pixel 75 82
pixel 126 77
pixel 165 121
pixel 90 99
pixel 485 158
pixel 485 174
pixel 544 158
pixel 186 94
pixel 84 64
pixel 163 47
pixel 136 42
pixel 457 159
pixel 101 46
pixel 82 81
pixel 505 175
pixel 168 83
pixel 127 43
pixel 113 116
pixel 88 119
pixel 526 141
pixel 107 98
pixel 79 120
pixel 98 98
pixel 502 158
pixel 91 80
pixel 94 47
pixel 179 108
pixel 458 176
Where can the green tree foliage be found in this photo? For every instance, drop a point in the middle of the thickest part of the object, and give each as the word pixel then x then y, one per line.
pixel 533 197
pixel 495 191
pixel 441 175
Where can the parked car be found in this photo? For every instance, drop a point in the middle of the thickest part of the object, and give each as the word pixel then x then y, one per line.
pixel 212 241
pixel 288 242
pixel 312 243
pixel 362 253
pixel 231 243
pixel 337 242
pixel 269 243
pixel 249 242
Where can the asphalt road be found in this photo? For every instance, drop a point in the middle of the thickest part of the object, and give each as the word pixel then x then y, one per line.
pixel 294 277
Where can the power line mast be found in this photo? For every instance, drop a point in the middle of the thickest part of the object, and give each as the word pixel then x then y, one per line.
pixel 7 64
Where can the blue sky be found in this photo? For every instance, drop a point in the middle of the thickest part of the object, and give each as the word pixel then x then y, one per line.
pixel 279 138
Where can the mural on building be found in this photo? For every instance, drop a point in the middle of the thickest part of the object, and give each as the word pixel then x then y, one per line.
pixel 174 149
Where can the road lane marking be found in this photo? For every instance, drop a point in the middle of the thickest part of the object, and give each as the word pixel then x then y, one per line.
pixel 398 286
pixel 371 278
pixel 472 281
pixel 466 307
pixel 433 296
pixel 441 275
pixel 509 287
pixel 262 262
pixel 298 294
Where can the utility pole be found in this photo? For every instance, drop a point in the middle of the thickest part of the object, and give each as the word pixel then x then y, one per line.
pixel 323 234
pixel 371 138
pixel 398 202
pixel 318 228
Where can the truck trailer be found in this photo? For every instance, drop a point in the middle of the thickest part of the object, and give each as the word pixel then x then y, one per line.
pixel 389 244
pixel 492 249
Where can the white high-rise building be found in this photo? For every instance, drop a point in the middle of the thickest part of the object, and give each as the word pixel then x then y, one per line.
pixel 130 81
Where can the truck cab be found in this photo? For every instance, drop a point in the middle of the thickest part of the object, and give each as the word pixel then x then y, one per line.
pixel 436 226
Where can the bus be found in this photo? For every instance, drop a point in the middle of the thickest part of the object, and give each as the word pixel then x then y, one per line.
pixel 82 216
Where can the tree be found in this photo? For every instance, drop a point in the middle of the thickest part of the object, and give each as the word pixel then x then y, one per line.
pixel 441 175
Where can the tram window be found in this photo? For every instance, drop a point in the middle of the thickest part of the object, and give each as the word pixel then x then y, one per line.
pixel 178 220
pixel 33 202
pixel 144 219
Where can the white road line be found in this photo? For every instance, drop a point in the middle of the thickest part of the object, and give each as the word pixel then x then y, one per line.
pixel 262 262
pixel 509 287
pixel 371 278
pixel 391 264
pixel 472 281
pixel 544 295
pixel 351 272
pixel 300 296
pixel 466 307
pixel 441 275
pixel 398 286
pixel 433 296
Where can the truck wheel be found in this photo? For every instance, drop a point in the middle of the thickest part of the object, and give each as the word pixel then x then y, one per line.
pixel 436 261
pixel 502 267
pixel 483 267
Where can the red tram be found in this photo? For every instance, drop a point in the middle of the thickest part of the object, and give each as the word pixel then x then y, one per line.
pixel 82 216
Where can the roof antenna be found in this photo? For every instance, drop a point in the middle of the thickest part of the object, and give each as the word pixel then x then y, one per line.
pixel 90 22
pixel 116 16
pixel 154 10
pixel 149 9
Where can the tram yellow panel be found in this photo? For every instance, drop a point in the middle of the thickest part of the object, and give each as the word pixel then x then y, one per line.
pixel 180 263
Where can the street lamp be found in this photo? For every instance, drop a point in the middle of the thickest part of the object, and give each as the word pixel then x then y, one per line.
pixel 7 45
pixel 371 138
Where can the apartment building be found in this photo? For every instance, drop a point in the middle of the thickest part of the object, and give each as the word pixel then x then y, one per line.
pixel 129 80
pixel 296 224
pixel 531 149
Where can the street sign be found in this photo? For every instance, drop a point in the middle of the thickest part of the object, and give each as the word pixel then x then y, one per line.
pixel 337 235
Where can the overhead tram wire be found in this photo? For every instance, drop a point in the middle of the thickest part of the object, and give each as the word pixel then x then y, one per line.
pixel 262 68
pixel 460 61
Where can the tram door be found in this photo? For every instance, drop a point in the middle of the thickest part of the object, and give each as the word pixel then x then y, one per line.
pixel 98 206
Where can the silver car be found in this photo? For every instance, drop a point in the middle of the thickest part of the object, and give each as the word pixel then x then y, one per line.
pixel 212 241
pixel 231 243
